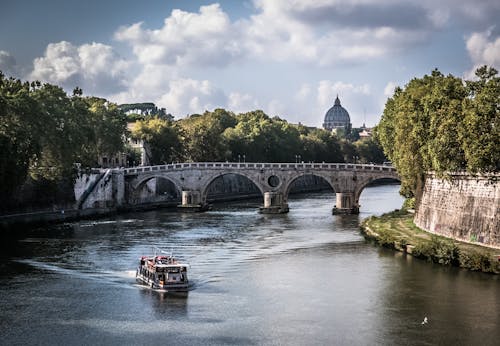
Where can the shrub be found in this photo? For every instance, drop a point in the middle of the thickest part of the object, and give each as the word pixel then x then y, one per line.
pixel 476 261
pixel 409 203
pixel 438 251
pixel 386 239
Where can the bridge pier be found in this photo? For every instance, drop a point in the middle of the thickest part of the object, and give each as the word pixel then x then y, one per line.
pixel 345 204
pixel 274 203
pixel 192 201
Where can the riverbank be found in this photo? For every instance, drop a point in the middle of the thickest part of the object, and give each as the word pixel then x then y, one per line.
pixel 397 231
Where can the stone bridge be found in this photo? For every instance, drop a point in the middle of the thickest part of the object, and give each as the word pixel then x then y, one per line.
pixel 119 187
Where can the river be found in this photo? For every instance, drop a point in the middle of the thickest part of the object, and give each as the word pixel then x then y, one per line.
pixel 303 278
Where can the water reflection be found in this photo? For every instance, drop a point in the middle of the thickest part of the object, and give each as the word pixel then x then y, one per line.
pixel 451 299
pixel 169 304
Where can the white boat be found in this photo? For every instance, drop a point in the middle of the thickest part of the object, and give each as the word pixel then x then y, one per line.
pixel 162 271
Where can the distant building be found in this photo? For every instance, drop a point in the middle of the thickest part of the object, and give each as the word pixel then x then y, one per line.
pixel 337 117
pixel 365 132
pixel 140 146
pixel 110 161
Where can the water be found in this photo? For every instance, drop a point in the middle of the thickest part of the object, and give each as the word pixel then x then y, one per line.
pixel 304 278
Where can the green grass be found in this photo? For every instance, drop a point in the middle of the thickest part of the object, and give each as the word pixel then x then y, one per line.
pixel 396 230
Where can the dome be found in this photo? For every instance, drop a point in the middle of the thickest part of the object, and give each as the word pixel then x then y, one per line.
pixel 337 117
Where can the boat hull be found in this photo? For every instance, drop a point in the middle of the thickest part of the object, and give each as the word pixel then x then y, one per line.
pixel 166 287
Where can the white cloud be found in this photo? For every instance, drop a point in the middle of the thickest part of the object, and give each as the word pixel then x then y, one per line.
pixel 483 49
pixel 321 32
pixel 241 103
pixel 187 96
pixel 330 32
pixel 8 64
pixel 95 67
pixel 206 37
pixel 304 92
pixel 327 91
pixel 59 65
pixel 276 108
pixel 389 89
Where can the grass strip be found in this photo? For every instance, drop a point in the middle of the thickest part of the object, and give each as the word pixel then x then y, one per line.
pixel 397 231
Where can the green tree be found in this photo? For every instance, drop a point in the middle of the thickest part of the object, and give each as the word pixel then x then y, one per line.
pixel 443 151
pixel 480 131
pixel 109 125
pixel 202 135
pixel 349 152
pixel 369 151
pixel 162 138
pixel 261 138
pixel 17 144
pixel 58 134
pixel 320 145
pixel 439 123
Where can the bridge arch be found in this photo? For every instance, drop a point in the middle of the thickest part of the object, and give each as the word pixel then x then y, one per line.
pixel 296 177
pixel 213 177
pixel 362 183
pixel 164 184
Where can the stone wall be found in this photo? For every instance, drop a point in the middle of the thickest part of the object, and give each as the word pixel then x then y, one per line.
pixel 466 208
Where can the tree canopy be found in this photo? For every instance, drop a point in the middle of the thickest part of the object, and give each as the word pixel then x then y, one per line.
pixel 44 132
pixel 442 124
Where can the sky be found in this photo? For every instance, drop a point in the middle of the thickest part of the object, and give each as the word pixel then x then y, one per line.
pixel 289 58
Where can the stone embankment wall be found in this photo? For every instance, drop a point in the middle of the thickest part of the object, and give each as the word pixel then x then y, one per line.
pixel 466 208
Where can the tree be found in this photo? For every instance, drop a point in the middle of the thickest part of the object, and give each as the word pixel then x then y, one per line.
pixel 17 144
pixel 441 124
pixel 480 133
pixel 202 135
pixel 109 125
pixel 369 151
pixel 58 134
pixel 261 138
pixel 321 146
pixel 162 137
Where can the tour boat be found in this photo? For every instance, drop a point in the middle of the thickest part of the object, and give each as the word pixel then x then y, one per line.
pixel 162 272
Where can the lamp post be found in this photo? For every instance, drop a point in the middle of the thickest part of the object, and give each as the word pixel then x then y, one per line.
pixel 244 158
pixel 239 158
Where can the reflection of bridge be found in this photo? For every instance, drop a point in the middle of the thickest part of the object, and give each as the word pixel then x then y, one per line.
pixel 120 187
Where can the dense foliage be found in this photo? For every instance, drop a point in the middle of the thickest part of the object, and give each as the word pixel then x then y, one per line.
pixel 44 132
pixel 442 124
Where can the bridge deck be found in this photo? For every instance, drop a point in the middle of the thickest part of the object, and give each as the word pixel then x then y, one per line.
pixel 255 165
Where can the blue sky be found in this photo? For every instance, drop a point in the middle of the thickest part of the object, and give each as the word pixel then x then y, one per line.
pixel 289 58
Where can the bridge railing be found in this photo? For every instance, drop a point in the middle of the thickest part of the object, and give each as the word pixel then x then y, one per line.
pixel 257 165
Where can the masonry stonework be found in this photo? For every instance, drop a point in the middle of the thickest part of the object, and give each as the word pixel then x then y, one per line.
pixel 465 208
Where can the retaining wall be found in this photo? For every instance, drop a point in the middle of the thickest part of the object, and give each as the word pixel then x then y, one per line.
pixel 466 208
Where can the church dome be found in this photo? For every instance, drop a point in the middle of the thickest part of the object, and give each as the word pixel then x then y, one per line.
pixel 337 117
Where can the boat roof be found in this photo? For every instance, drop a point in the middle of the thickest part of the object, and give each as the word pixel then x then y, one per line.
pixel 178 265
